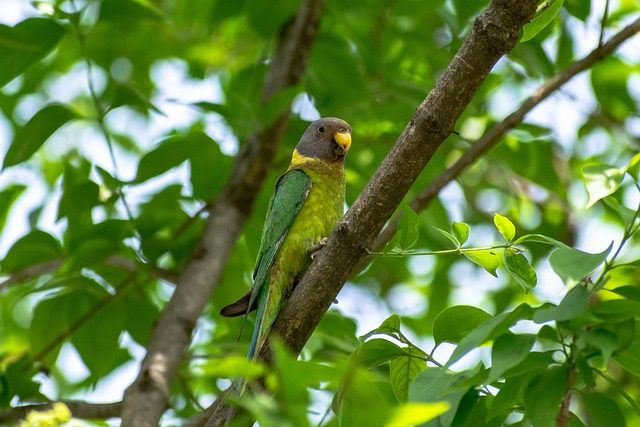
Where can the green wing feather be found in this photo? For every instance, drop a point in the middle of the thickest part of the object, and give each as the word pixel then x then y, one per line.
pixel 291 191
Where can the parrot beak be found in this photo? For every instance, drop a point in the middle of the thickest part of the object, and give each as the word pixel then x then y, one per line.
pixel 343 139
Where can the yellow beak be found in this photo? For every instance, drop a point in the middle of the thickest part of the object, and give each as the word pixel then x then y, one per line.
pixel 344 140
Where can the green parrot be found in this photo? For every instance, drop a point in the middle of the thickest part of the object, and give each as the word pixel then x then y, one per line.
pixel 307 203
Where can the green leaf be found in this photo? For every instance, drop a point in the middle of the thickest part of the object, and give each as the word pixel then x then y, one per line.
pixel 232 367
pixel 603 411
pixel 337 331
pixel 543 17
pixel 378 351
pixel 390 326
pixel 629 360
pixel 601 181
pixel 7 197
pixel 605 341
pixel 519 268
pixel 449 236
pixel 34 248
pixel 540 238
pixel 78 198
pixel 363 392
pixel 489 330
pixel 408 229
pixel 168 154
pixel 129 10
pixel 454 323
pixel 544 394
pixel 573 306
pixel 460 231
pixel 616 310
pixel 403 370
pixel 505 227
pixel 437 385
pixel 610 80
pixel 414 413
pixel 508 351
pixel 35 132
pixel 209 166
pixel 511 391
pixel 486 258
pixel 629 292
pixel 573 265
pixel 267 18
pixel 25 44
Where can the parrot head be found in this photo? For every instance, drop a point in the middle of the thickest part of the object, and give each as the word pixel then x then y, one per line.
pixel 327 139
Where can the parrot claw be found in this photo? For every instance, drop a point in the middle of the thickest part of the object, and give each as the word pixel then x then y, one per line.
pixel 321 244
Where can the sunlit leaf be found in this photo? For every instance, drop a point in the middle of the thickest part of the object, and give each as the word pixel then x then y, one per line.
pixel 232 367
pixel 601 181
pixel 504 226
pixel 486 258
pixel 545 14
pixel 414 413
pixel 460 231
pixel 437 385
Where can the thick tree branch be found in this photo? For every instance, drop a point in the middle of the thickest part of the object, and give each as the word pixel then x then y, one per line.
pixel 491 138
pixel 89 411
pixel 494 34
pixel 147 398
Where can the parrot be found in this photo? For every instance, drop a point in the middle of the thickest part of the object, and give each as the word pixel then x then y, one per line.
pixel 307 203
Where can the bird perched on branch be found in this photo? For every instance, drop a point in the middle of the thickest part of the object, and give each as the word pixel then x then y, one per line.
pixel 307 203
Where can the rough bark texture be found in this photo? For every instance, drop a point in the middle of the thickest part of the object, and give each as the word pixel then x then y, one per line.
pixel 147 398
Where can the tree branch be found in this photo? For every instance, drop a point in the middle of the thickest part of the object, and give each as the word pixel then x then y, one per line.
pixel 494 34
pixel 491 138
pixel 147 398
pixel 85 410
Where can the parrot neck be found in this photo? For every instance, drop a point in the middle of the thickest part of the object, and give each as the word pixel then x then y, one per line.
pixel 297 159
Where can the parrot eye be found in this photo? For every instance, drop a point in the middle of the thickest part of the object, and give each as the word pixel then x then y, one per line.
pixel 321 129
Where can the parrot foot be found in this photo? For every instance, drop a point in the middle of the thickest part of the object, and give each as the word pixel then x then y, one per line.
pixel 321 244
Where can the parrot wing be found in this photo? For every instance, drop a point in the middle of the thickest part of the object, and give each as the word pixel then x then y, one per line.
pixel 291 191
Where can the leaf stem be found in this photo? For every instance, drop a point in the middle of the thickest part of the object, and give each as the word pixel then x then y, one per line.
pixel 457 251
